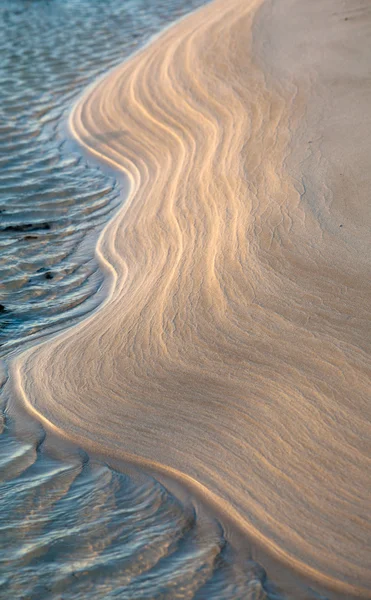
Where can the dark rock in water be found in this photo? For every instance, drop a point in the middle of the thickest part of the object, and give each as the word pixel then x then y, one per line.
pixel 31 237
pixel 49 275
pixel 27 227
pixel 2 308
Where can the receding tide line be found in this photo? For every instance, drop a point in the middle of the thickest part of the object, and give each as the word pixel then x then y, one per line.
pixel 199 363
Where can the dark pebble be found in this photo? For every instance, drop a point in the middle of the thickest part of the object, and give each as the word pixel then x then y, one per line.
pixel 49 275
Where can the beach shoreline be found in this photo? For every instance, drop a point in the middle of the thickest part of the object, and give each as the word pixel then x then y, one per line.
pixel 173 339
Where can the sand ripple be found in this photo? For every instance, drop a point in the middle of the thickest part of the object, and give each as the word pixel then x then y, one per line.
pixel 233 347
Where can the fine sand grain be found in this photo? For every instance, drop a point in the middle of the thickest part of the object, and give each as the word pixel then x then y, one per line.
pixel 233 346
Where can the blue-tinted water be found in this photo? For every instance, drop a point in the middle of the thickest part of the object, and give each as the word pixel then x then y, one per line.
pixel 71 526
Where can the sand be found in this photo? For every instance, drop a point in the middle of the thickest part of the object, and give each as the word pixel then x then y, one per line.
pixel 232 349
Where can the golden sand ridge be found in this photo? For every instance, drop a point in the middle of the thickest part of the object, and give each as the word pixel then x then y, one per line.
pixel 233 345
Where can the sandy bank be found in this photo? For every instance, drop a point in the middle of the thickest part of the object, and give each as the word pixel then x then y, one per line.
pixel 234 344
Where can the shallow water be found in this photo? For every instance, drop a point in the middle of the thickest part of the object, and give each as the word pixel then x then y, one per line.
pixel 50 198
pixel 71 526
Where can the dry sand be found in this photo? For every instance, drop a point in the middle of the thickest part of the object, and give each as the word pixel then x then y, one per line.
pixel 233 347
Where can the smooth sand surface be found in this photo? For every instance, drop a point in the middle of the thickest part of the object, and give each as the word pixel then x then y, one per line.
pixel 233 347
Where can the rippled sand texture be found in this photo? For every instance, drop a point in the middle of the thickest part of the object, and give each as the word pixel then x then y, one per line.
pixel 233 347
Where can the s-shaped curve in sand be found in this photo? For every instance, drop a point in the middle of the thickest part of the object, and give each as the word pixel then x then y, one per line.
pixel 233 346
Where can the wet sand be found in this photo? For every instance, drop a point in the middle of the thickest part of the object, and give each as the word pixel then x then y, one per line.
pixel 232 350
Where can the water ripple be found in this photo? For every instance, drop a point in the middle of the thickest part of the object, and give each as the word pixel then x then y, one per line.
pixel 74 526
